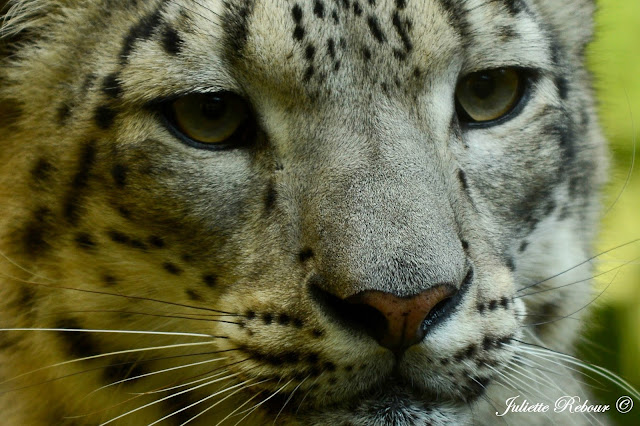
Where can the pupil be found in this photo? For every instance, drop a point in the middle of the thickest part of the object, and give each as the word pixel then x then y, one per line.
pixel 483 86
pixel 212 108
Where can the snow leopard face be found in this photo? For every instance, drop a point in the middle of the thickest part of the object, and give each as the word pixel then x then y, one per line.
pixel 299 212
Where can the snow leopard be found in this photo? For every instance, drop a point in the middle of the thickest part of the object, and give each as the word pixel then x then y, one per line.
pixel 296 212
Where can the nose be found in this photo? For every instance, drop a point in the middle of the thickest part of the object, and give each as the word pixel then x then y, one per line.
pixel 395 322
pixel 401 321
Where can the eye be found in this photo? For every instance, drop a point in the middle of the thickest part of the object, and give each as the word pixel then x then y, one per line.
pixel 486 96
pixel 210 120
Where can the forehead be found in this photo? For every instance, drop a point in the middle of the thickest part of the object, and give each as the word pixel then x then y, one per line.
pixel 313 43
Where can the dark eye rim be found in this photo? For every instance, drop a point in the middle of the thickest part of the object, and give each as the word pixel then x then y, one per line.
pixel 528 79
pixel 243 137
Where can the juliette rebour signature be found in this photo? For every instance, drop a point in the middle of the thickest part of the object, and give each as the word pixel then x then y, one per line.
pixel 564 404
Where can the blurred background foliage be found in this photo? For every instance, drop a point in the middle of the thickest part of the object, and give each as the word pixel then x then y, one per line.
pixel 613 339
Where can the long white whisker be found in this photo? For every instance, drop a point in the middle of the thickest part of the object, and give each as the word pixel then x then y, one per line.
pixel 157 372
pixel 208 397
pixel 231 414
pixel 128 351
pixel 165 389
pixel 247 385
pixel 251 410
pixel 165 398
pixel 289 399
pixel 600 371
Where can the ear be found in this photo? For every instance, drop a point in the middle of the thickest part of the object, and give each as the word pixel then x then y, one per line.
pixel 571 21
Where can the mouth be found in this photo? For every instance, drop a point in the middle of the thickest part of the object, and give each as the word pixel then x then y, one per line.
pixel 393 401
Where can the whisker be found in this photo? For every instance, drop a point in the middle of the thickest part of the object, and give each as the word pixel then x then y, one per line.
pixel 224 367
pixel 601 371
pixel 180 367
pixel 166 398
pixel 208 397
pixel 251 410
pixel 231 414
pixel 579 264
pixel 247 386
pixel 289 399
pixel 101 367
pixel 147 299
pixel 560 318
pixel 579 281
pixel 128 351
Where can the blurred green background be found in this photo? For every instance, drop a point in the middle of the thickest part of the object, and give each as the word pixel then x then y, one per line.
pixel 613 341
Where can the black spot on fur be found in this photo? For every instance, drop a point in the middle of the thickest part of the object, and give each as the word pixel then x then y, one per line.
pixel 267 318
pixel 493 305
pixel 42 171
pixel 504 302
pixel 357 9
pixel 401 4
pixel 309 52
pixel 481 307
pixel 172 268
pixel 487 343
pixel 193 295
pixel 511 264
pixel 523 246
pixel 401 29
pixel 366 53
pixel 210 280
pixel 122 370
pixel 457 17
pixel 26 298
pixel 334 16
pixel 318 9
pixel 298 33
pixel 308 73
pixel 305 254
pixel 85 241
pixel 109 280
pixel 34 233
pixel 375 29
pixel 563 87
pixel 156 242
pixel 72 206
pixel 111 86
pixel 550 208
pixel 513 6
pixel 141 31
pixel 465 245
pixel 79 344
pixel 119 237
pixel 62 114
pixel 235 24
pixel 171 41
pixel 296 12
pixel 104 116
pixel 270 197
pixel 462 177
pixel 284 319
pixel 331 48
pixel 119 175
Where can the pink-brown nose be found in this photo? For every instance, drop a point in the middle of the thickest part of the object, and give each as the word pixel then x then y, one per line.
pixel 404 315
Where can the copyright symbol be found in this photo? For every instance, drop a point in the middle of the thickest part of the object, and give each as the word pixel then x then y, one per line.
pixel 624 404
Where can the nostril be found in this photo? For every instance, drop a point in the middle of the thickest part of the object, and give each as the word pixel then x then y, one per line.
pixel 394 322
pixel 437 312
pixel 357 316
